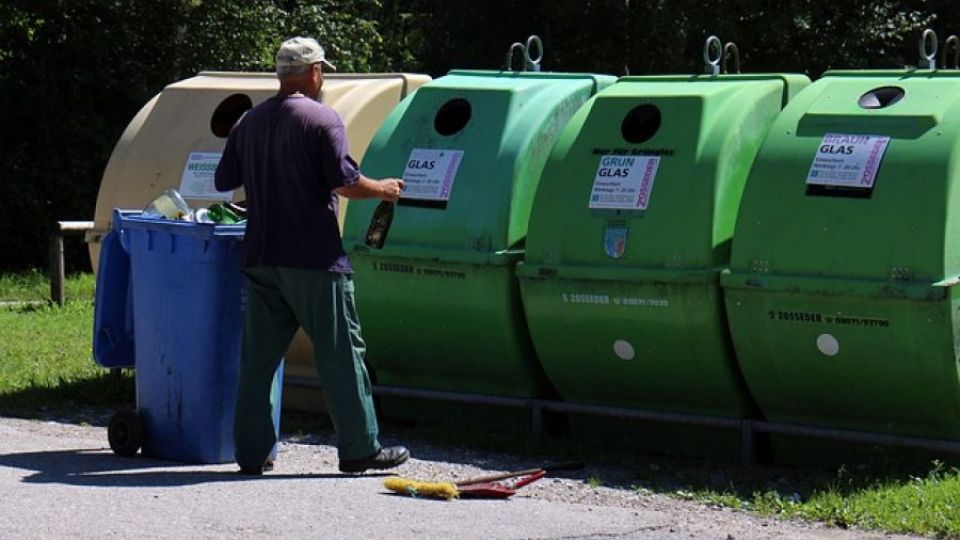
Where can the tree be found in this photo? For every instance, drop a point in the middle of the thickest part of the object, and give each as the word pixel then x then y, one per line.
pixel 74 72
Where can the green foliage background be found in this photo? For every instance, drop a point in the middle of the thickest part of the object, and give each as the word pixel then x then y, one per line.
pixel 74 72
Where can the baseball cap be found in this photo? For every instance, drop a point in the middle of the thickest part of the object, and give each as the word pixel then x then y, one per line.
pixel 302 51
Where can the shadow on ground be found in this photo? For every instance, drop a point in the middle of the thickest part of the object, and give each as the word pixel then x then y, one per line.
pixel 101 468
pixel 86 401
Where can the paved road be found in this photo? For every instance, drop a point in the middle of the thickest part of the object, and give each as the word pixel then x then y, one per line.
pixel 61 481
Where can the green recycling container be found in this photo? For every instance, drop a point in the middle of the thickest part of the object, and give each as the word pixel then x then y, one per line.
pixel 630 229
pixel 841 293
pixel 439 303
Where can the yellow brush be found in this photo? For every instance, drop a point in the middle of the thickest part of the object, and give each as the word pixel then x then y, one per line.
pixel 416 488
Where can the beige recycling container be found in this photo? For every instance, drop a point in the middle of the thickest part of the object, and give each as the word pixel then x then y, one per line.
pixel 176 139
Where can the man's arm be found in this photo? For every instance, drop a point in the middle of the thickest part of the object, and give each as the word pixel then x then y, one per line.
pixel 340 171
pixel 387 189
pixel 227 175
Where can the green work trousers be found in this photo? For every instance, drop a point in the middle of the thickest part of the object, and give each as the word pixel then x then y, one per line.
pixel 278 301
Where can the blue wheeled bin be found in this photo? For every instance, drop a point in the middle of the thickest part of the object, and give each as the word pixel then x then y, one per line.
pixel 185 302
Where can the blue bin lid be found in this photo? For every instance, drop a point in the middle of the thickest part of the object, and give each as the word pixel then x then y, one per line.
pixel 204 231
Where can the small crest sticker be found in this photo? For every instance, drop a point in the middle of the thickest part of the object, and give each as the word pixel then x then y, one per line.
pixel 615 240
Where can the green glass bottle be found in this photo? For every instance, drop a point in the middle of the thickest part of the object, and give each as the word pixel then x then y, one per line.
pixel 380 224
pixel 219 213
pixel 238 208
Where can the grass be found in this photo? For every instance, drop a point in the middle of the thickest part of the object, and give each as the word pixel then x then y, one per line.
pixel 34 286
pixel 46 371
pixel 893 502
pixel 46 365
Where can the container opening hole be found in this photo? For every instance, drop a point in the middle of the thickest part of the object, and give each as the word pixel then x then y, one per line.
pixel 641 123
pixel 452 116
pixel 228 112
pixel 882 97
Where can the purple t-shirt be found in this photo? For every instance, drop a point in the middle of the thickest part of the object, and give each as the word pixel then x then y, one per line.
pixel 289 153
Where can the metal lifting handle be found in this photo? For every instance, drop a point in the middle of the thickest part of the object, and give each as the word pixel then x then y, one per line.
pixel 529 62
pixel 929 55
pixel 508 64
pixel 712 63
pixel 731 49
pixel 955 43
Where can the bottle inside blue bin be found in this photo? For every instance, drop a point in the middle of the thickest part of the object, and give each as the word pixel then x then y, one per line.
pixel 169 205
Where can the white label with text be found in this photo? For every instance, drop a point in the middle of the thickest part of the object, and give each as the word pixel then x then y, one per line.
pixel 850 161
pixel 197 179
pixel 624 182
pixel 429 174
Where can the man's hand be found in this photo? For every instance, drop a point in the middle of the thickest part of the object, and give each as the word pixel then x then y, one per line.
pixel 391 189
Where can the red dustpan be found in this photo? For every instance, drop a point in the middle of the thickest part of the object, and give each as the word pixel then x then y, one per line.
pixel 500 489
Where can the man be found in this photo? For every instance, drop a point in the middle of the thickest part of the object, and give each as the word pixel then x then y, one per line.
pixel 290 155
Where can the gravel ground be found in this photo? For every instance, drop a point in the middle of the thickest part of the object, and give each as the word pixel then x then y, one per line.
pixel 61 480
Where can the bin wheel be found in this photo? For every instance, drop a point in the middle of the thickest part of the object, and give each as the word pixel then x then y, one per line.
pixel 125 433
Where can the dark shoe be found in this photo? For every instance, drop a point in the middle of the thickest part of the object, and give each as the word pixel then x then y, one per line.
pixel 257 471
pixel 386 458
